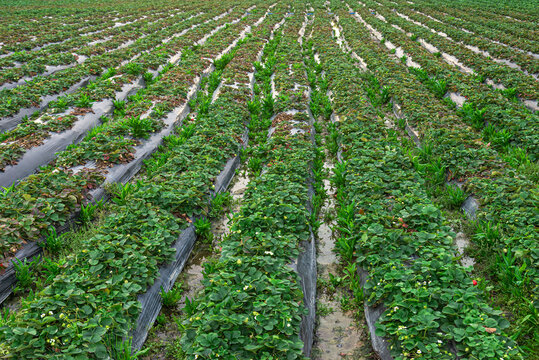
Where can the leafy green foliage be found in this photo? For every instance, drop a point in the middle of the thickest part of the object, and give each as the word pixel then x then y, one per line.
pixel 24 273
pixel 88 212
pixel 53 242
pixel 219 203
pixel 456 196
pixel 83 101
pixel 170 298
pixel 203 229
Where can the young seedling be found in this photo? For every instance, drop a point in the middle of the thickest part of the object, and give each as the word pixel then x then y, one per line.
pixel 161 319
pixel 61 104
pixel 23 273
pixel 516 156
pixel 486 235
pixel 339 174
pixel 133 69
pixel 515 277
pixel 110 72
pixel 255 165
pixel 88 212
pixel 436 171
pixel 473 115
pixel 190 307
pixel 170 298
pixel 119 107
pixel 6 316
pixel 120 192
pixel 385 95
pixel 439 87
pixel 510 93
pixel 83 101
pixel 203 230
pixel 148 78
pixel 50 268
pixel 122 349
pixel 139 128
pixel 53 242
pixel 455 195
pixel 219 203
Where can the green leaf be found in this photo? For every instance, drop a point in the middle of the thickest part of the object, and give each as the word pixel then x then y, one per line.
pixel 93 335
pixel 252 347
pixel 503 323
pixel 380 332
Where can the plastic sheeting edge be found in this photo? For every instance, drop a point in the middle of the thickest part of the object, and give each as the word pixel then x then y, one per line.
pixel 372 314
pixel 151 299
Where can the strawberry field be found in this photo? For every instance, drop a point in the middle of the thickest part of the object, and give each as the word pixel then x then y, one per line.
pixel 324 179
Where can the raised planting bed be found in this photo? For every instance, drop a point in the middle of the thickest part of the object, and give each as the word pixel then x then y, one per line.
pixel 121 143
pixel 262 289
pixel 398 243
pixel 182 186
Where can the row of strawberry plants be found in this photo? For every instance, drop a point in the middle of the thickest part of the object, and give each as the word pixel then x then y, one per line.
pixel 430 298
pixel 525 85
pixel 524 60
pixel 32 63
pixel 504 223
pixel 112 143
pixel 431 116
pixel 88 35
pixel 233 85
pixel 394 232
pixel 170 90
pixel 489 33
pixel 339 303
pixel 519 181
pixel 294 73
pixel 27 30
pixel 251 304
pixel 262 105
pixel 22 31
pixel 101 305
pixel 238 84
pixel 107 40
pixel 114 35
pixel 38 128
pixel 510 122
pixel 31 94
pixel 54 242
pixel 517 12
pixel 506 23
pixel 515 34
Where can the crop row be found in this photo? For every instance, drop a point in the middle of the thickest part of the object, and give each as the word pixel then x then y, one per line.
pixel 518 11
pixel 254 305
pixel 515 34
pixel 46 62
pixel 83 41
pixel 92 303
pixel 27 32
pixel 399 237
pixel 17 39
pixel 525 85
pixel 30 95
pixel 523 59
pixel 46 199
pixel 506 116
pixel 450 152
pixel 114 84
pixel 96 42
